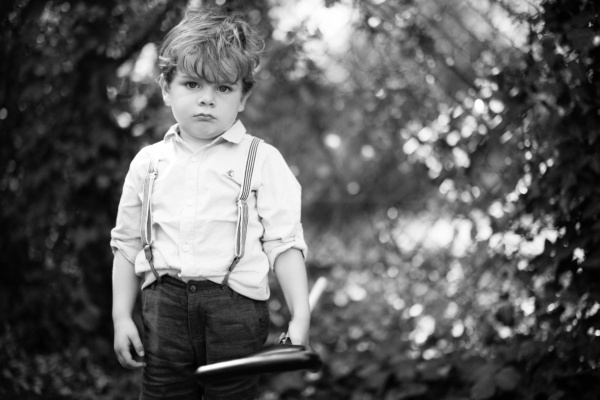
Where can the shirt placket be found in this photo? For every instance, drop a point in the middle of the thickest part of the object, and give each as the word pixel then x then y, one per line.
pixel 186 246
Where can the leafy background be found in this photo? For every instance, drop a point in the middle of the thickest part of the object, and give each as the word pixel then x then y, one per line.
pixel 450 161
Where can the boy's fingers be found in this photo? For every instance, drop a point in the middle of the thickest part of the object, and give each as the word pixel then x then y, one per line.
pixel 137 345
pixel 127 361
pixel 123 351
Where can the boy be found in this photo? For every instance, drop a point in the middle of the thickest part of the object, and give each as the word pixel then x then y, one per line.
pixel 203 255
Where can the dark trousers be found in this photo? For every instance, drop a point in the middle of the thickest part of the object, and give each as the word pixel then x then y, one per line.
pixel 187 325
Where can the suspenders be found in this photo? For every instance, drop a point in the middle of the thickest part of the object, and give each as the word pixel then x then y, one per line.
pixel 242 206
pixel 146 220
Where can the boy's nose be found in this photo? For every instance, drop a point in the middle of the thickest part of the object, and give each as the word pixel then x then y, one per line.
pixel 206 98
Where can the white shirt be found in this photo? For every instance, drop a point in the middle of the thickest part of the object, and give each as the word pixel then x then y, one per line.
pixel 195 211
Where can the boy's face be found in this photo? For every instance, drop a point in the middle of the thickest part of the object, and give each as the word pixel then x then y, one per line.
pixel 203 110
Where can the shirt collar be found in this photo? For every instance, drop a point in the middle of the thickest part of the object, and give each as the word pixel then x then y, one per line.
pixel 235 134
pixel 172 133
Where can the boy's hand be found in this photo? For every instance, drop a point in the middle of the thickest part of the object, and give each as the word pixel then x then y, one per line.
pixel 298 331
pixel 127 336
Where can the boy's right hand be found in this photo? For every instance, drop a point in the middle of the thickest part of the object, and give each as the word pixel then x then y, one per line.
pixel 127 336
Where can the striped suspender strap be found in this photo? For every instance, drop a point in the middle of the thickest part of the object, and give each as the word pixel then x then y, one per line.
pixel 146 220
pixel 242 204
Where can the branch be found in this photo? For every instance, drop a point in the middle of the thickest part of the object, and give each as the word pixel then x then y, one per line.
pixel 519 16
pixel 485 17
pixel 144 37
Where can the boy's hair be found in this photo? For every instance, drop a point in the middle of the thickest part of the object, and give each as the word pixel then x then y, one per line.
pixel 212 44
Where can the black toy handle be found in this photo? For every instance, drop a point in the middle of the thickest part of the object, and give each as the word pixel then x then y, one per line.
pixel 279 358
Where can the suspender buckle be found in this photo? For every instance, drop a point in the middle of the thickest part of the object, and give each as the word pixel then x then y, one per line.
pixel 148 252
pixel 231 267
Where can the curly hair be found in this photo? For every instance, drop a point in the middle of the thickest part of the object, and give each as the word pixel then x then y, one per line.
pixel 212 44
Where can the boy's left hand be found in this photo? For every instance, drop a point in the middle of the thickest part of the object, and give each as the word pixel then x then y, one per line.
pixel 298 331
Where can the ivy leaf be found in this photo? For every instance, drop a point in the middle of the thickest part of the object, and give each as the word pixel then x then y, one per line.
pixel 593 261
pixel 484 388
pixel 581 38
pixel 593 209
pixel 595 165
pixel 411 390
pixel 473 368
pixel 435 370
pixel 288 381
pixel 507 379
pixel 373 376
pixel 405 369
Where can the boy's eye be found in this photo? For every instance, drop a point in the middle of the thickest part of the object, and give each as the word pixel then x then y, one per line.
pixel 191 85
pixel 224 89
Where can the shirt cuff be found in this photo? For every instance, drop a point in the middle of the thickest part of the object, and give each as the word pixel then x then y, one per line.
pixel 274 248
pixel 130 252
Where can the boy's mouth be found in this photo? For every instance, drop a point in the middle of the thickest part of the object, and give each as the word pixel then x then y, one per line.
pixel 204 117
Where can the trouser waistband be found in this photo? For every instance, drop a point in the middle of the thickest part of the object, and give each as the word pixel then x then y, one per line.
pixel 181 283
pixel 173 281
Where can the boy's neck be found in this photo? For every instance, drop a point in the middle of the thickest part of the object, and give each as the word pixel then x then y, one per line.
pixel 196 144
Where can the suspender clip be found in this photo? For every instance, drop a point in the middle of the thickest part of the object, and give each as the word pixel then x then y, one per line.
pixel 148 252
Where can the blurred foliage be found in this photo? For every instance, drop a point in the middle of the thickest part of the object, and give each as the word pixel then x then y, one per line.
pixel 449 158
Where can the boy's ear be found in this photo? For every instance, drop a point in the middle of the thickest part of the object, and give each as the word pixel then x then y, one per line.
pixel 243 101
pixel 164 87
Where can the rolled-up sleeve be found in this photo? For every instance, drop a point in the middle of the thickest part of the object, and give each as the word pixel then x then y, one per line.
pixel 279 206
pixel 125 236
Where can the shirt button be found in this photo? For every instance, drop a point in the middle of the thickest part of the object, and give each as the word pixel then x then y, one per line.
pixel 194 159
pixel 192 288
pixel 185 247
